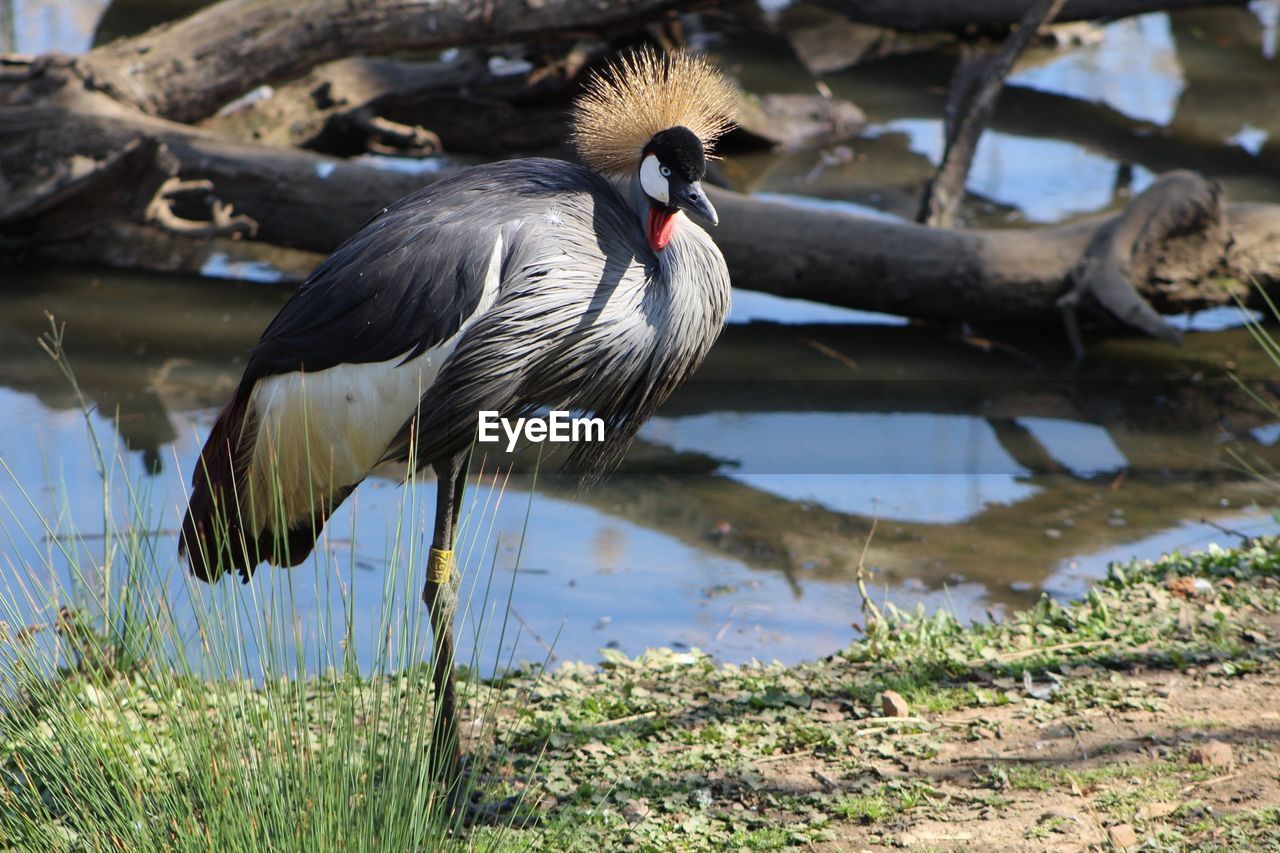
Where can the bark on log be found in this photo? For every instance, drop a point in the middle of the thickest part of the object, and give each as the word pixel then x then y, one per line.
pixel 985 276
pixel 926 15
pixel 188 69
pixel 1179 203
pixel 333 109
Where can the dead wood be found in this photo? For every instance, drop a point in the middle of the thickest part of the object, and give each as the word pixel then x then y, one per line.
pixel 187 69
pixel 303 200
pixel 983 15
pixel 827 42
pixel 59 144
pixel 1144 237
pixel 393 106
pixel 975 90
pixel 361 104
pixel 984 276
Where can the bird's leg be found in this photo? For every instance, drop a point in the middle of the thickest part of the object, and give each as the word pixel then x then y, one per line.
pixel 438 595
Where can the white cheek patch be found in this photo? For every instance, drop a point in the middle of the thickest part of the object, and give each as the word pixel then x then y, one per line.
pixel 652 182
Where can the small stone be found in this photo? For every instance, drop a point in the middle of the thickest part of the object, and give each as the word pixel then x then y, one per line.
pixel 893 705
pixel 1215 753
pixel 635 810
pixel 1122 836
pixel 1183 587
pixel 1154 811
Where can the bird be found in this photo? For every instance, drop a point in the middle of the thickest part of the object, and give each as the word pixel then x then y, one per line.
pixel 513 287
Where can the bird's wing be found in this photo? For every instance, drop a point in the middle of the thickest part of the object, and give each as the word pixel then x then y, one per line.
pixel 404 283
pixel 571 325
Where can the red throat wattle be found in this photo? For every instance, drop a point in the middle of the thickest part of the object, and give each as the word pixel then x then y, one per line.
pixel 661 226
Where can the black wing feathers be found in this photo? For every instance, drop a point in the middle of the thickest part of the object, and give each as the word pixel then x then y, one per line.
pixel 410 278
pixel 371 300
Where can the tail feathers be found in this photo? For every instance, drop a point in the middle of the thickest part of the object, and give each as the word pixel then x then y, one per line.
pixel 216 534
pixel 213 539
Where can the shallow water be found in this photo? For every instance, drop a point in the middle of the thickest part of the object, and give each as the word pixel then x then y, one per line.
pixel 992 470
pixel 736 523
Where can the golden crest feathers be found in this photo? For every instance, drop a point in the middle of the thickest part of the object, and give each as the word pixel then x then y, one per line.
pixel 643 93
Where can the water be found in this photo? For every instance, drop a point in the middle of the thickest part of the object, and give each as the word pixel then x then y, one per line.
pixel 992 470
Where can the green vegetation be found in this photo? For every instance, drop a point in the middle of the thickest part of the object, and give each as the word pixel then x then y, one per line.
pixel 684 752
pixel 114 734
pixel 664 750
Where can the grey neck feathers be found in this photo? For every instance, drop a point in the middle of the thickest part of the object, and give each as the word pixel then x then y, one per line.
pixel 634 193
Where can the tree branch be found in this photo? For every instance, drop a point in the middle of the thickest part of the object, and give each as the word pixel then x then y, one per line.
pixel 975 90
pixel 982 15
pixel 1131 246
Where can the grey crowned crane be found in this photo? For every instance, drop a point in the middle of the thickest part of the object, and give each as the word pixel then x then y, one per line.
pixel 510 287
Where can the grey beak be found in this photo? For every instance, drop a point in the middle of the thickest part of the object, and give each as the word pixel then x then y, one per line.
pixel 694 201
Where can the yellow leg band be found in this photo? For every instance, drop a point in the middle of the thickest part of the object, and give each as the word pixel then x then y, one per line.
pixel 440 566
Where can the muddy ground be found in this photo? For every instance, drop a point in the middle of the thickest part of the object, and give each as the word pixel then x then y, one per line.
pixel 1147 714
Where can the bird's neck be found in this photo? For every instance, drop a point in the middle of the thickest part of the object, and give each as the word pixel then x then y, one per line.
pixel 631 190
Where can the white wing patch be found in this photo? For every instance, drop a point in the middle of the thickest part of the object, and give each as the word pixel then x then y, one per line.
pixel 324 431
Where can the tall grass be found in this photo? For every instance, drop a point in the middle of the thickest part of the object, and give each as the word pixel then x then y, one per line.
pixel 130 724
pixel 1248 462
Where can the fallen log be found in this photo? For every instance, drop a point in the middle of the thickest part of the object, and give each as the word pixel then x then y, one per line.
pixel 351 106
pixel 303 200
pixel 187 69
pixel 336 108
pixel 983 276
pixel 60 144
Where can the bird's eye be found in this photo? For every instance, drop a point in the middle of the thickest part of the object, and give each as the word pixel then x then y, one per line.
pixel 664 171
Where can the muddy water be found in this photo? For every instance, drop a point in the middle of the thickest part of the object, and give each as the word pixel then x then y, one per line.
pixel 992 469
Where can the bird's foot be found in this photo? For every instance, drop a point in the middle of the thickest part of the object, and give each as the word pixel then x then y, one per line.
pixel 476 809
pixel 470 803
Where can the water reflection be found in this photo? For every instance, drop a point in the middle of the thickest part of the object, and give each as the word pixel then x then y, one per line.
pixel 1132 66
pixel 912 467
pixel 736 521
